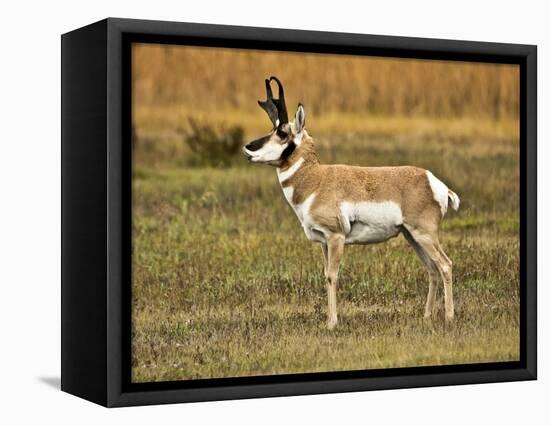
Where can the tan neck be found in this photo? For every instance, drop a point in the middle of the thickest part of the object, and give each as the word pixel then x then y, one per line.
pixel 305 150
pixel 298 176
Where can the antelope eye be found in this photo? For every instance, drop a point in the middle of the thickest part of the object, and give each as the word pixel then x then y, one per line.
pixel 282 134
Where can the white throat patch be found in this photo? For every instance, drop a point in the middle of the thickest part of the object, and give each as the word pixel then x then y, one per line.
pixel 288 173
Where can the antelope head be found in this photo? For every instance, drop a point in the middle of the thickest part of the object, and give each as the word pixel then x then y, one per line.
pixel 284 137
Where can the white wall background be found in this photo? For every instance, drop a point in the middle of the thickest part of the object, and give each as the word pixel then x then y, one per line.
pixel 30 211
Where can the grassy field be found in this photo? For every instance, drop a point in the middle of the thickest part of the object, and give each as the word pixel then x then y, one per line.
pixel 226 284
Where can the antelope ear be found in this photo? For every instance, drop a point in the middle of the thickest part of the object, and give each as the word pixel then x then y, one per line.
pixel 300 119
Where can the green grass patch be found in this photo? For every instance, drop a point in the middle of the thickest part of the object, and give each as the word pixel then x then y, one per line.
pixel 226 284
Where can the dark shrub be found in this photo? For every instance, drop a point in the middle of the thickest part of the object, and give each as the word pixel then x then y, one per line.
pixel 212 146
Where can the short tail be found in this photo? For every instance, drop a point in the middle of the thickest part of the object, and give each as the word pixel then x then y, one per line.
pixel 455 201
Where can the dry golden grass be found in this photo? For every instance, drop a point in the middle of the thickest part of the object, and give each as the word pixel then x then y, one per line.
pixel 168 118
pixel 160 130
pixel 212 79
pixel 343 95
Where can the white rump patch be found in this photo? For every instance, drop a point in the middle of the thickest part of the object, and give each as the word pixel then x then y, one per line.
pixel 440 192
pixel 455 201
pixel 370 222
pixel 288 173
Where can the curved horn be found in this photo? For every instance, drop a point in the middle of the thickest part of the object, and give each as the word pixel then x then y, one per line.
pixel 268 105
pixel 268 89
pixel 280 103
pixel 275 108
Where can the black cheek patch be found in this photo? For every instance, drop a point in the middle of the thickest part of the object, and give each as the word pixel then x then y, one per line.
pixel 257 144
pixel 288 151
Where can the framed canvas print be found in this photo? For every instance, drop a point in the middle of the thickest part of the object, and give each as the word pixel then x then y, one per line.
pixel 253 212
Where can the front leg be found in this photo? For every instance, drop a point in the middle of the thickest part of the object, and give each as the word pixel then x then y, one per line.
pixel 325 258
pixel 335 250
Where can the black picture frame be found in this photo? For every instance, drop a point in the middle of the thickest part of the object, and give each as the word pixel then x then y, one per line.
pixel 96 212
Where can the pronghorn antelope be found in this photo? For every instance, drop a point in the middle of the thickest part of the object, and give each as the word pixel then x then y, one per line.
pixel 339 204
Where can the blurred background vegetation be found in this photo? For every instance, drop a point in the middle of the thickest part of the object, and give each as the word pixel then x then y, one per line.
pixel 224 281
pixel 343 95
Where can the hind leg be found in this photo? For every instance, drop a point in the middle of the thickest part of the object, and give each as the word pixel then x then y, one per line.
pixel 447 272
pixel 429 243
pixel 335 251
pixel 433 274
pixel 324 247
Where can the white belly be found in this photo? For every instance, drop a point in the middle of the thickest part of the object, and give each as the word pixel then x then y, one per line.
pixel 370 222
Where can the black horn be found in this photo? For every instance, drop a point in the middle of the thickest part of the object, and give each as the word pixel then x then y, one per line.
pixel 275 108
